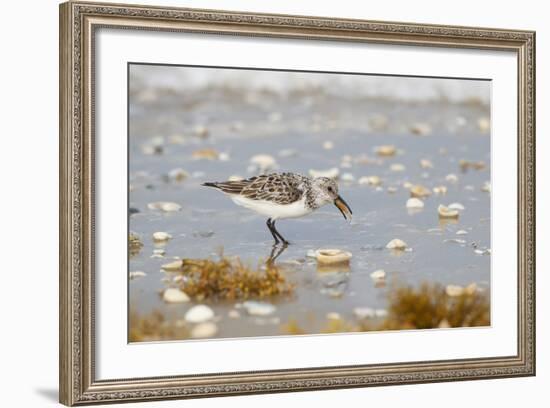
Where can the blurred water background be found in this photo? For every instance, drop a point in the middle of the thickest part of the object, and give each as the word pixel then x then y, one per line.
pixel 381 136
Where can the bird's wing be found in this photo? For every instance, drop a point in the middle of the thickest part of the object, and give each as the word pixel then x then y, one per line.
pixel 278 188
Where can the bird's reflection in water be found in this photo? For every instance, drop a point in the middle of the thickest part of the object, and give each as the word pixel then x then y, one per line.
pixel 276 251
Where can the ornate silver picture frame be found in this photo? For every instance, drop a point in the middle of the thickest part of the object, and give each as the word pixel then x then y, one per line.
pixel 79 23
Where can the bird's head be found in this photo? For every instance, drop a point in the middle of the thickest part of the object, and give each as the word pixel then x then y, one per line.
pixel 327 192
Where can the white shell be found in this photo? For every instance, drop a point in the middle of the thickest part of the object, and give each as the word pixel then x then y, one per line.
pixel 161 236
pixel 461 232
pixel 451 178
pixel 370 180
pixel 332 256
pixel 259 308
pixel 178 174
pixel 426 164
pixel 363 312
pixel 440 190
pixel 172 266
pixel 397 167
pixel 378 275
pixel 199 314
pixel 164 206
pixel 454 290
pixel 263 161
pixel 204 330
pixel 456 206
pixel 136 274
pixel 175 295
pixel 397 244
pixel 415 203
pixel 446 212
pixel 385 150
pixel 328 145
pixel 347 177
pixel 484 125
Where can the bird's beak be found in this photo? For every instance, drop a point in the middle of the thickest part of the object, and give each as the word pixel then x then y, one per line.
pixel 343 207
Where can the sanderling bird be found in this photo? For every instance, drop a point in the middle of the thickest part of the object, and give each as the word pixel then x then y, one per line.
pixel 284 195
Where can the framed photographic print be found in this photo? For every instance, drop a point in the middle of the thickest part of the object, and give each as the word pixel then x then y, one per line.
pixel 256 203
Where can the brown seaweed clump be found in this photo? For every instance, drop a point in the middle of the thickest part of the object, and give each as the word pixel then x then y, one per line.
pixel 230 279
pixel 154 326
pixel 134 244
pixel 429 306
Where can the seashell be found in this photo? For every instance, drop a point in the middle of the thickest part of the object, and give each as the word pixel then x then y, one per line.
pixel 173 266
pixel 392 189
pixel 471 289
pixel 461 232
pixel 136 274
pixel 441 190
pixel 164 206
pixel 204 330
pixel 175 295
pixel 332 256
pixel 224 156
pixel 378 275
pixel 456 206
pixel 419 191
pixel 444 324
pixel 328 145
pixel 380 313
pixel 486 187
pixel 397 244
pixel 347 177
pixel 158 253
pixel 202 131
pixel 334 316
pixel 259 308
pixel 446 212
pixel 426 164
pixel 451 178
pixel 465 165
pixel 207 154
pixel 454 290
pixel 178 175
pixel 415 203
pixel 421 129
pixel 199 314
pixel 397 167
pixel 161 236
pixel 263 162
pixel 332 173
pixel 370 180
pixel 484 125
pixel 385 150
pixel 233 314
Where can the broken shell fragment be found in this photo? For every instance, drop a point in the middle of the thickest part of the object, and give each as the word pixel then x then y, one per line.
pixel 378 275
pixel 164 206
pixel 397 244
pixel 178 175
pixel 451 178
pixel 446 212
pixel 420 191
pixel 328 145
pixel 363 312
pixel 484 125
pixel 370 180
pixel 136 274
pixel 175 295
pixel 486 188
pixel 332 173
pixel 426 164
pixel 454 290
pixel 173 266
pixel 441 190
pixel 347 177
pixel 263 162
pixel 205 154
pixel 199 314
pixel 161 236
pixel 332 256
pixel 259 308
pixel 386 150
pixel 415 203
pixel 421 129
pixel 456 206
pixel 397 167
pixel 204 330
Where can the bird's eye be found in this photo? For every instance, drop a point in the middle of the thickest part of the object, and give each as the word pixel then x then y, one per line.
pixel 330 189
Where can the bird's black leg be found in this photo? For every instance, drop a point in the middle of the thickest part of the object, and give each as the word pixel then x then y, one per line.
pixel 285 242
pixel 271 228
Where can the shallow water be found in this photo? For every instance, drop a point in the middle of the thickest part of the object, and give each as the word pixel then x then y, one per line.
pixel 244 125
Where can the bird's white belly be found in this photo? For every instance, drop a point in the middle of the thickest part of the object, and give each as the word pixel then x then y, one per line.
pixel 273 210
